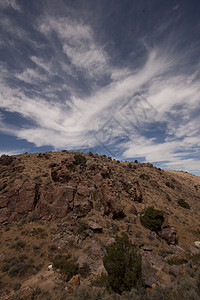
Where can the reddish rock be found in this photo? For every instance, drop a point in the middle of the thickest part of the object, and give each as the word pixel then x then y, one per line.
pixel 135 192
pixel 148 272
pixel 96 249
pixel 18 201
pixel 65 277
pixel 110 199
pixel 75 280
pixel 168 233
pixel 55 201
pixel 95 226
pixel 83 197
pixel 133 189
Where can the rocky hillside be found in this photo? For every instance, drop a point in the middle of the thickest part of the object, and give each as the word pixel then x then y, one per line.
pixel 58 204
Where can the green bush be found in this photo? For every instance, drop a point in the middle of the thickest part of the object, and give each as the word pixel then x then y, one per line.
pixel 101 281
pixel 19 245
pixel 170 185
pixel 144 176
pixel 183 203
pixel 123 264
pixel 195 258
pixel 39 233
pixel 16 286
pixel 152 219
pixel 82 226
pixel 79 159
pixel 19 269
pixel 178 261
pixel 84 270
pixel 66 265
pixel 168 197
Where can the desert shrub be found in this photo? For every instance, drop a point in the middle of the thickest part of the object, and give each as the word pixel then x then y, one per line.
pixel 52 248
pixel 5 267
pixel 101 281
pixel 183 203
pixel 144 176
pixel 163 252
pixel 82 226
pixel 33 217
pixel 152 219
pixel 195 258
pixel 16 286
pixel 39 233
pixel 170 185
pixel 37 291
pixel 136 161
pixel 82 212
pixel 36 248
pixel 3 186
pixel 123 264
pixel 168 197
pixel 65 264
pixel 84 270
pixel 19 245
pixel 90 153
pixel 79 159
pixel 177 261
pixel 19 269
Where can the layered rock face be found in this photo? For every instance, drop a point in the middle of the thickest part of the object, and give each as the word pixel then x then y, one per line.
pixel 72 188
pixel 52 185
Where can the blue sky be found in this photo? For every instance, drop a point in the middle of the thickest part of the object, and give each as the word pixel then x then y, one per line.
pixel 116 77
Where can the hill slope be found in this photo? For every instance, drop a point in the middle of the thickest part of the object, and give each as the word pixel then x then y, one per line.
pixel 57 203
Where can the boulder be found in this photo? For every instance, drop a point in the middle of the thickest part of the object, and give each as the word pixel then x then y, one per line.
pixel 95 226
pixel 194 250
pixel 55 201
pixel 83 198
pixel 133 210
pixel 96 249
pixel 197 244
pixel 110 200
pixel 168 233
pixel 147 248
pixel 75 280
pixel 134 190
pixel 84 258
pixel 148 272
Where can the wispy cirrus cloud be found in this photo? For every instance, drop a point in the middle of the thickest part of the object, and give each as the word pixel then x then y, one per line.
pixel 73 96
pixel 78 44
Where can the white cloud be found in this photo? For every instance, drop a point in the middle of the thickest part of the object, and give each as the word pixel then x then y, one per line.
pixel 31 76
pixel 78 44
pixel 172 99
pixel 11 152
